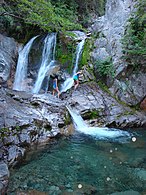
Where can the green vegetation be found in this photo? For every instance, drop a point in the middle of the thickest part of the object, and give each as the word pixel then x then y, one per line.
pixel 4 131
pixel 105 67
pixel 67 120
pixel 47 16
pixel 65 51
pixel 88 9
pixel 104 87
pixel 94 114
pixel 24 18
pixel 134 41
pixel 85 55
pixel 37 16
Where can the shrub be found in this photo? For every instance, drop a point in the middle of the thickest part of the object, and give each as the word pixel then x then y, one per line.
pixel 105 67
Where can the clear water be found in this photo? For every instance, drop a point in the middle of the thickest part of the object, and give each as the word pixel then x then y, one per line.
pixel 81 164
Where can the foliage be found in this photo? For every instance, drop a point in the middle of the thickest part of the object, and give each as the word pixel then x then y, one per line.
pixel 45 15
pixel 25 18
pixel 94 114
pixel 104 87
pixel 134 41
pixel 7 20
pixel 67 119
pixel 65 50
pixel 86 8
pixel 105 67
pixel 70 34
pixel 85 55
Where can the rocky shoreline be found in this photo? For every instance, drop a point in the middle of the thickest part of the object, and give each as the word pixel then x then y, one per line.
pixel 27 119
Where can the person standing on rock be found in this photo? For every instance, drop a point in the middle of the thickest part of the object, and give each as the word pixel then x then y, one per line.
pixel 55 86
pixel 76 79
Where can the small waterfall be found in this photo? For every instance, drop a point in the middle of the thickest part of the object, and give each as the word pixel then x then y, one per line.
pixel 78 55
pixel 98 132
pixel 21 71
pixel 47 60
pixel 69 81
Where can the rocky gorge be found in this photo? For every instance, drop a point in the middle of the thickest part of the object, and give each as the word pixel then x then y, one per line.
pixel 27 119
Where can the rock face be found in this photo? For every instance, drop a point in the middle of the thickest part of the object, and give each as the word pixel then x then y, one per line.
pixel 110 28
pixel 128 86
pixel 8 57
pixel 27 119
pixel 102 109
pixel 4 175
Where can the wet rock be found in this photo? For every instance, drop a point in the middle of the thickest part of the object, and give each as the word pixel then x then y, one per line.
pixel 8 55
pixel 13 153
pixel 143 104
pixel 4 175
pixel 4 172
pixel 92 103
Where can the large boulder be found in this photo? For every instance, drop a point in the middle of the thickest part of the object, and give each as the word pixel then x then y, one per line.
pixel 26 119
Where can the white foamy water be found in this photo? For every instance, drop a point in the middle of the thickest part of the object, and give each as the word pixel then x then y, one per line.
pixel 68 83
pixel 78 55
pixel 98 132
pixel 47 60
pixel 22 64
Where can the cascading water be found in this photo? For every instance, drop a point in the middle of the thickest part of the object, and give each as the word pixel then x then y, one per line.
pixel 47 60
pixel 78 55
pixel 97 132
pixel 69 81
pixel 21 71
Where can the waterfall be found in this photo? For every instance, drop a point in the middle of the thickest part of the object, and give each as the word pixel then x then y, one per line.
pixel 97 132
pixel 69 81
pixel 21 71
pixel 47 60
pixel 78 54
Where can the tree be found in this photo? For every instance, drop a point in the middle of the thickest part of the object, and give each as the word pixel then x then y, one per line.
pixel 43 14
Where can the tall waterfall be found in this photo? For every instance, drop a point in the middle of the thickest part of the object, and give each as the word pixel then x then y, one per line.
pixel 98 132
pixel 21 71
pixel 69 81
pixel 47 60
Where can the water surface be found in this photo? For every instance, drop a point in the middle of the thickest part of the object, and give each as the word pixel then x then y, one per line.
pixel 82 164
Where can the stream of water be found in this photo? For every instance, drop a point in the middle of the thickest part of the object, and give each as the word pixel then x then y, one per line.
pixel 82 164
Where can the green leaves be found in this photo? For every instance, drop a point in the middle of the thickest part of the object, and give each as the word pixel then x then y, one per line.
pixel 134 41
pixel 105 67
pixel 47 16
